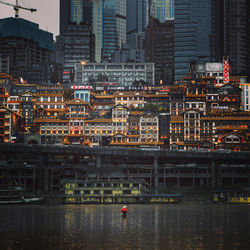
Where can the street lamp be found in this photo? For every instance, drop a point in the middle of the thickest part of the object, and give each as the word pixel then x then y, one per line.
pixel 83 62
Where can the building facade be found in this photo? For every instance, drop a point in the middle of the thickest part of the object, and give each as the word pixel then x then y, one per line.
pixel 162 10
pixel 159 48
pixel 74 11
pixel 78 47
pixel 109 27
pixel 230 33
pixel 136 20
pixel 192 31
pixel 25 50
pixel 121 73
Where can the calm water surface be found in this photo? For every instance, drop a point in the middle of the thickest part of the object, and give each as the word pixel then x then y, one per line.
pixel 180 226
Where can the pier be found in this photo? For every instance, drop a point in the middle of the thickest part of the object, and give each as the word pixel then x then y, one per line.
pixel 42 167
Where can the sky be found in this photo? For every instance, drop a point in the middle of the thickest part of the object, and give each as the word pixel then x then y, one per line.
pixel 47 14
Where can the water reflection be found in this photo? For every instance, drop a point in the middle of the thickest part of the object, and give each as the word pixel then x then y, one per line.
pixel 145 227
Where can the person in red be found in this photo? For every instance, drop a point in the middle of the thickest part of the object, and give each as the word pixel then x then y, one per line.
pixel 124 210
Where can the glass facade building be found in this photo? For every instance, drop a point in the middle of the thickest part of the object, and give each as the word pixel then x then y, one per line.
pixel 136 20
pixel 109 27
pixel 109 34
pixel 162 10
pixel 75 11
pixel 97 28
pixel 192 34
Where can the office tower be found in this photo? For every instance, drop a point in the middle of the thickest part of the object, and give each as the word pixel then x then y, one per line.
pixel 160 9
pixel 192 34
pixel 97 28
pixel 25 50
pixel 78 47
pixel 230 25
pixel 108 16
pixel 136 20
pixel 75 11
pixel 109 30
pixel 248 39
pixel 159 48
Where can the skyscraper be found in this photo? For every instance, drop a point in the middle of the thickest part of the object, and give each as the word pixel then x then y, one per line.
pixel 108 16
pixel 136 20
pixel 159 48
pixel 75 11
pixel 161 9
pixel 229 33
pixel 192 34
pixel 97 28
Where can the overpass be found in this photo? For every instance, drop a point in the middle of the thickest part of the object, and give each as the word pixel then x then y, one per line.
pixel 42 167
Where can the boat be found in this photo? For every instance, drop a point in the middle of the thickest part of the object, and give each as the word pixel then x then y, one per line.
pixel 232 196
pixel 111 191
pixel 17 195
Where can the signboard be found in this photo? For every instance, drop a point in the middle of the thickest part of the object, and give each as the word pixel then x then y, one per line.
pixel 81 87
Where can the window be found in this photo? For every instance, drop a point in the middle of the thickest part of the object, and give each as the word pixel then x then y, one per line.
pixel 126 191
pixel 107 192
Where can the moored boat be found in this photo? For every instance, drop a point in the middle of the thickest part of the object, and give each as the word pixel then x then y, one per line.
pixel 17 195
pixel 111 191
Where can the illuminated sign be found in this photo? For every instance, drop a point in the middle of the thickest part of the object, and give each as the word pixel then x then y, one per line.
pixel 81 87
pixel 226 70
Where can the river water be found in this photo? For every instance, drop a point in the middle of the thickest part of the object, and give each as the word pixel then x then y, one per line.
pixel 176 226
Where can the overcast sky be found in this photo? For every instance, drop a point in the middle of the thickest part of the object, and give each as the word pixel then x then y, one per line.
pixel 47 15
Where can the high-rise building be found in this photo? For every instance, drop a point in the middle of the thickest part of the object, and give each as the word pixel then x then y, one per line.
pixel 192 34
pixel 248 39
pixel 75 11
pixel 159 48
pixel 160 9
pixel 25 50
pixel 136 20
pixel 78 47
pixel 97 28
pixel 230 27
pixel 109 27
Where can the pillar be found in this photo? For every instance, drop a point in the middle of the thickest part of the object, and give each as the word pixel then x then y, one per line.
pixel 34 181
pixel 98 161
pixel 156 176
pixel 213 172
pixel 193 172
pixel 40 173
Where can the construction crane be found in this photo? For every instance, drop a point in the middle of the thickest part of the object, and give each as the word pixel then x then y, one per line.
pixel 17 7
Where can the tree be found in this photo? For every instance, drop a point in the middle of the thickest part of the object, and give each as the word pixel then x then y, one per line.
pixel 67 94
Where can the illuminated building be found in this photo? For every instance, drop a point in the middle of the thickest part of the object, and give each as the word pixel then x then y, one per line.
pixel 130 99
pixel 78 111
pixel 149 128
pixel 11 124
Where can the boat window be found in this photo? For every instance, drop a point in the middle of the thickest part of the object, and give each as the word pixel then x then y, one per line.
pixel 126 191
pixel 107 192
